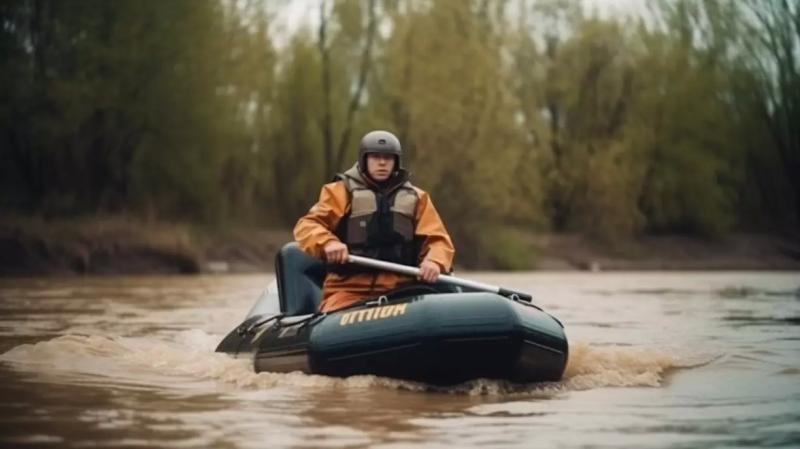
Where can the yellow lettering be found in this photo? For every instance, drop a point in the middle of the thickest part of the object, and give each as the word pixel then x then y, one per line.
pixel 372 313
pixel 399 309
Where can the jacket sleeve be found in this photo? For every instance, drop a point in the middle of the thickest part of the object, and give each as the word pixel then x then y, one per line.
pixel 316 228
pixel 436 243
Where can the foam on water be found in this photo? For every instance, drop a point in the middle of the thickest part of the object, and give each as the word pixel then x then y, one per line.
pixel 592 366
pixel 191 354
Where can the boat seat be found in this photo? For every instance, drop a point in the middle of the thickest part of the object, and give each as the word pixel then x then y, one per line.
pixel 300 278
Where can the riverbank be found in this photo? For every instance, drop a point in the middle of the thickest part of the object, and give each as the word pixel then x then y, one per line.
pixel 118 245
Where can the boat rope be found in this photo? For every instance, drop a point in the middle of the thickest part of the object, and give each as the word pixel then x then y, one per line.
pixel 249 329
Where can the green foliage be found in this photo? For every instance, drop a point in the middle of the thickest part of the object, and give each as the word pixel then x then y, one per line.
pixel 506 248
pixel 528 114
pixel 122 109
pixel 691 142
pixel 295 134
pixel 462 139
pixel 595 170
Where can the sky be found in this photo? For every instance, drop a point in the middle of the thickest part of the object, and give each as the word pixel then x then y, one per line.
pixel 296 13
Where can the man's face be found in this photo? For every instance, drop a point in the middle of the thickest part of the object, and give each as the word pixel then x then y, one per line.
pixel 380 166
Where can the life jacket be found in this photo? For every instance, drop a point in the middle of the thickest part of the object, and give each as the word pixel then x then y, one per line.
pixel 380 222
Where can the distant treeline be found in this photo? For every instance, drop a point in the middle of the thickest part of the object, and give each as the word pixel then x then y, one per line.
pixel 532 114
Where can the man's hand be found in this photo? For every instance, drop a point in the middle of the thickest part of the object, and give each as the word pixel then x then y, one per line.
pixel 429 271
pixel 336 252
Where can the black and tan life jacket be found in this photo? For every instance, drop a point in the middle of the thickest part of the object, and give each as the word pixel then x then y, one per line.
pixel 380 222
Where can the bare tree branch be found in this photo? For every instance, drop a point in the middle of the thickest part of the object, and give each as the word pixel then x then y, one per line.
pixel 326 120
pixel 355 100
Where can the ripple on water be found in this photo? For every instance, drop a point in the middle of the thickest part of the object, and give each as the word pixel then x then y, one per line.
pixel 135 363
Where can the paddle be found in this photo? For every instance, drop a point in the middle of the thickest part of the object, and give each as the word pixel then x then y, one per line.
pixel 443 278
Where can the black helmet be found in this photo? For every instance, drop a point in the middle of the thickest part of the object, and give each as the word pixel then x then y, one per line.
pixel 379 142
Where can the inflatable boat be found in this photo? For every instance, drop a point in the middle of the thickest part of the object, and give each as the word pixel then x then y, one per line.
pixel 442 334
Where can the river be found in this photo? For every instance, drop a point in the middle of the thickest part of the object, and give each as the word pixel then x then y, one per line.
pixel 657 360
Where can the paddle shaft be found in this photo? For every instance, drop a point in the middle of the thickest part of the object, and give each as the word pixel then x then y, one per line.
pixel 443 278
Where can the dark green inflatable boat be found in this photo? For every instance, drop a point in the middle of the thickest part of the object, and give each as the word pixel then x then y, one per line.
pixel 439 334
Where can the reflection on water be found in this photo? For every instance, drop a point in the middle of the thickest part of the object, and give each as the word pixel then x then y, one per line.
pixel 656 360
pixel 741 320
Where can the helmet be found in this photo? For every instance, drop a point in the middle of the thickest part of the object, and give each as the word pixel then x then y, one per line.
pixel 379 142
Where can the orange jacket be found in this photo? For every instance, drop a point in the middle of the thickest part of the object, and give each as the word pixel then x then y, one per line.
pixel 315 229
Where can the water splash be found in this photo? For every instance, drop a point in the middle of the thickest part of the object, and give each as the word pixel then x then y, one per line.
pixel 592 366
pixel 189 354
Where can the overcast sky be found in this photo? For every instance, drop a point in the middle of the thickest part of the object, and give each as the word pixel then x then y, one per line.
pixel 299 12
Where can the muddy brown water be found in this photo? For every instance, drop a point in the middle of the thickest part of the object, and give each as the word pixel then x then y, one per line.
pixel 658 360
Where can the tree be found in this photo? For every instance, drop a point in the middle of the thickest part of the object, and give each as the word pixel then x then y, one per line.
pixel 449 100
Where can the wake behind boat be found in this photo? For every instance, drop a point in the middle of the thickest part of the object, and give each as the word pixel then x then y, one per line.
pixel 440 334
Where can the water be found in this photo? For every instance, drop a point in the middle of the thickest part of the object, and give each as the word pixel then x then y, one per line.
pixel 658 360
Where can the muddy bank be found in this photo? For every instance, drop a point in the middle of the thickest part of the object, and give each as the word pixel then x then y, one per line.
pixel 671 252
pixel 30 247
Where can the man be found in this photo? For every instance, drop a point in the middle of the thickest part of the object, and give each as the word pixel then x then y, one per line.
pixel 372 210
